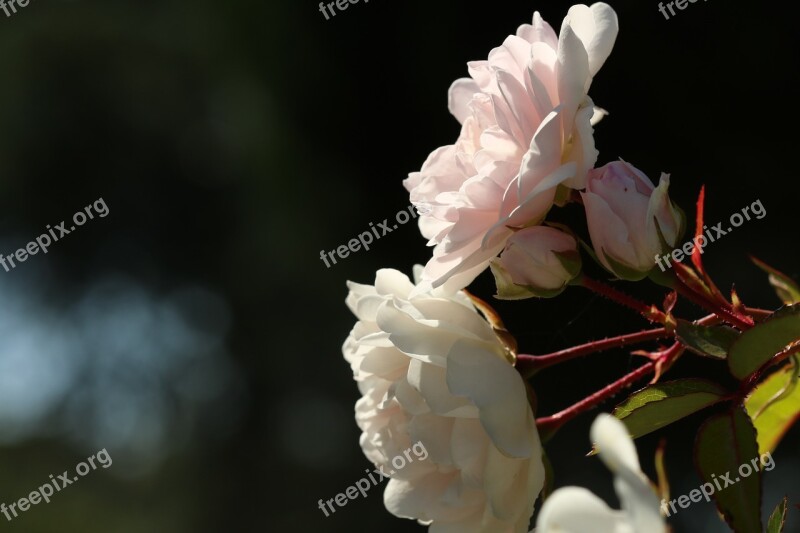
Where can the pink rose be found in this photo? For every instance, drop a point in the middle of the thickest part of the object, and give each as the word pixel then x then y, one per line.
pixel 625 212
pixel 537 261
pixel 526 129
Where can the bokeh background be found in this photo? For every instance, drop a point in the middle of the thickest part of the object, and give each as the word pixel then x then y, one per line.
pixel 194 332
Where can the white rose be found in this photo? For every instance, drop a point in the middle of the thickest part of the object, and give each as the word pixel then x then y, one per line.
pixel 576 510
pixel 432 371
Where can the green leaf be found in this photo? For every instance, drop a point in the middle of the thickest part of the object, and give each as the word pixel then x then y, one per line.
pixel 785 391
pixel 774 406
pixel 777 520
pixel 662 404
pixel 786 288
pixel 725 443
pixel 571 261
pixel 706 341
pixel 759 344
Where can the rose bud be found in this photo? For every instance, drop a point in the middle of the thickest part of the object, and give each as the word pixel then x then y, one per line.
pixel 537 261
pixel 630 220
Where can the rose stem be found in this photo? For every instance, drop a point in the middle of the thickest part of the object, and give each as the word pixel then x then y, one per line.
pixel 547 426
pixel 729 315
pixel 530 364
pixel 650 312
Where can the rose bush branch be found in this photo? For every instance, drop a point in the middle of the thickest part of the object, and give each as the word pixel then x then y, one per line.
pixel 650 312
pixel 550 424
pixel 686 282
pixel 528 365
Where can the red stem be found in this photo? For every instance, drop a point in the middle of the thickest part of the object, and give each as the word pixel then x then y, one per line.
pixel 530 364
pixel 729 315
pixel 758 313
pixel 650 312
pixel 547 426
pixel 551 423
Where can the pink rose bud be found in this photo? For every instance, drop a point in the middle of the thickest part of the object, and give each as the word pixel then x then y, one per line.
pixel 537 261
pixel 630 220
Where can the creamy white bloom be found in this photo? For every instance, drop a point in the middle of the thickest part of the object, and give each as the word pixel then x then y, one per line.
pixel 526 129
pixel 576 510
pixel 432 370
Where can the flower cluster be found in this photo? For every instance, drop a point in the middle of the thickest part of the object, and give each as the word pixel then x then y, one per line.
pixel 526 143
pixel 435 365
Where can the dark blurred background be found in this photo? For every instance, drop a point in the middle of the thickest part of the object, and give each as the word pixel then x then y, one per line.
pixel 195 333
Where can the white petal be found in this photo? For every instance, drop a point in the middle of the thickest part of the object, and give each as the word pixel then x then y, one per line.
pixel 498 391
pixel 392 282
pixel 430 381
pixel 459 97
pixel 539 31
pixel 435 433
pixel 640 503
pixel 573 75
pixel 583 151
pixel 598 115
pixel 511 491
pixel 576 510
pixel 614 444
pixel 618 452
pixel 418 499
pixel 597 27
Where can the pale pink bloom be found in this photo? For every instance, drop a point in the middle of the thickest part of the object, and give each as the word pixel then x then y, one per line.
pixel 526 129
pixel 630 220
pixel 537 261
pixel 432 371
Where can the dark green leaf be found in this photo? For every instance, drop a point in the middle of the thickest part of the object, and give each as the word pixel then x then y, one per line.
pixel 759 344
pixel 659 405
pixel 724 443
pixel 706 341
pixel 777 520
